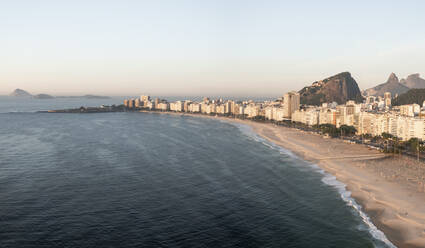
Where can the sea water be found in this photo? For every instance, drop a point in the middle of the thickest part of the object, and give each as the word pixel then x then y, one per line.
pixel 153 180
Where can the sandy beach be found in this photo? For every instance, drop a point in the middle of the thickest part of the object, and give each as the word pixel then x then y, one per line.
pixel 389 188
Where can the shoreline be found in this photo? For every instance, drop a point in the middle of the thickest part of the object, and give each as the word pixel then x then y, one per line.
pixel 381 184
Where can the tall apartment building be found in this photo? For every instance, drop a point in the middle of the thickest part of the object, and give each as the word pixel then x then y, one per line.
pixel 387 99
pixel 291 102
pixel 137 103
pixel 131 103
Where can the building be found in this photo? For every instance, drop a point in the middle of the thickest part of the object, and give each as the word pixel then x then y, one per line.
pixel 137 103
pixel 195 108
pixel 291 103
pixel 177 106
pixel 163 106
pixel 274 113
pixel 308 116
pixel 410 110
pixel 131 103
pixel 387 99
pixel 144 98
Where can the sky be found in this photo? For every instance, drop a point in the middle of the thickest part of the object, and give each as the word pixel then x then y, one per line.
pixel 211 48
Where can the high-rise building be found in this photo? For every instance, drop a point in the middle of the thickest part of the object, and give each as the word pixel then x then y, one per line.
pixel 137 103
pixel 387 99
pixel 131 103
pixel 291 103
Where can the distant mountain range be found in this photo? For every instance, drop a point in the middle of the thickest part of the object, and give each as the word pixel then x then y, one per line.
pixel 396 86
pixel 23 93
pixel 339 88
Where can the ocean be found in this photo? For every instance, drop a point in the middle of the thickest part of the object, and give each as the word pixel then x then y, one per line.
pixel 153 180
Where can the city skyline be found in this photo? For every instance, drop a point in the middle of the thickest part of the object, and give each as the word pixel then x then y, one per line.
pixel 229 48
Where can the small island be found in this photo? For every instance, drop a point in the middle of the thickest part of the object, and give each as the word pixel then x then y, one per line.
pixel 22 93
pixel 43 96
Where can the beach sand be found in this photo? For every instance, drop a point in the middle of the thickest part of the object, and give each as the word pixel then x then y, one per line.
pixel 389 188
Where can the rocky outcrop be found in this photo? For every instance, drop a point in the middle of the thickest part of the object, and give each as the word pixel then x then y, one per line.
pixel 20 93
pixel 339 88
pixel 392 85
pixel 414 81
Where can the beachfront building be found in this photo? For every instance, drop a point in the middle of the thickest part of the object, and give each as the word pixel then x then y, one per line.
pixel 309 116
pixel 220 109
pixel 328 116
pixel 195 108
pixel 163 106
pixel 373 117
pixel 137 103
pixel 211 109
pixel 176 106
pixel 410 109
pixel 274 112
pixel 291 103
pixel 131 103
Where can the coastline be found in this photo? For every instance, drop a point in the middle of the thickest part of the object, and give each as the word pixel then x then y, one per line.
pixel 382 184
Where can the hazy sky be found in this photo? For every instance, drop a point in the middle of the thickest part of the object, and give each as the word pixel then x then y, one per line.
pixel 198 47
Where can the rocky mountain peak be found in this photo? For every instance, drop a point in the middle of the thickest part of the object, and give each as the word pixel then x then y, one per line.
pixel 393 78
pixel 338 88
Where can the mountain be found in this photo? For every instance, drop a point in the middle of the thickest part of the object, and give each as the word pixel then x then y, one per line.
pixel 339 88
pixel 411 96
pixel 392 85
pixel 43 96
pixel 414 81
pixel 20 93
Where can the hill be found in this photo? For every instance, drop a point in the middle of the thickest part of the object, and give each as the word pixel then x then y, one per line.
pixel 20 93
pixel 414 81
pixel 392 85
pixel 411 96
pixel 339 88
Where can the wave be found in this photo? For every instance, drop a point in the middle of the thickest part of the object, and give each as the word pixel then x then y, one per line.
pixel 327 179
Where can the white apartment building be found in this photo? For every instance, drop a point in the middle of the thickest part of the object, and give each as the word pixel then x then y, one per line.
pixel 195 108
pixel 163 106
pixel 177 106
pixel 308 116
pixel 410 109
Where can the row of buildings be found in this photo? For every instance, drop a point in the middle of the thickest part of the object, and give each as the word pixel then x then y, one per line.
pixel 277 110
pixel 374 116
